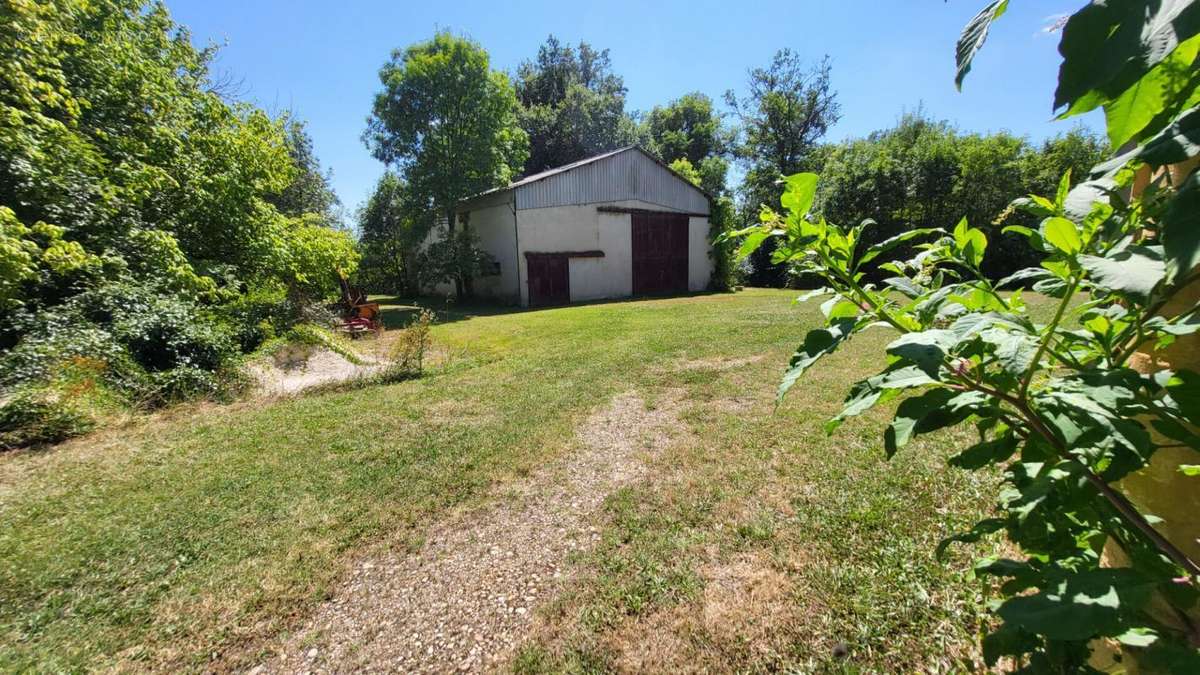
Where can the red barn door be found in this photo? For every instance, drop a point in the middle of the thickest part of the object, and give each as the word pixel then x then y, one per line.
pixel 660 253
pixel 549 279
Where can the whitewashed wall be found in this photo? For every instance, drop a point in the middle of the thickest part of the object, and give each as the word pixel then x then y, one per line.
pixel 700 262
pixel 585 228
pixel 496 228
pixel 558 213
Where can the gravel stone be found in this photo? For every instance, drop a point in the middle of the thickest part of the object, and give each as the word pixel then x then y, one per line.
pixel 467 599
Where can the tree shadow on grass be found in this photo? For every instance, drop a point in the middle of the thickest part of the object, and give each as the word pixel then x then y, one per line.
pixel 399 312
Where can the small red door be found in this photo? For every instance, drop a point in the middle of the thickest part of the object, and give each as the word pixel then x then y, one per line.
pixel 549 279
pixel 660 253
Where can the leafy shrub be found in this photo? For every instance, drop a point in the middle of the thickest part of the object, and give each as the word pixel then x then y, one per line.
pixel 259 315
pixel 167 334
pixel 70 403
pixel 162 261
pixel 406 358
pixel 35 415
pixel 56 340
pixel 156 349
pixel 1061 409
pixel 188 383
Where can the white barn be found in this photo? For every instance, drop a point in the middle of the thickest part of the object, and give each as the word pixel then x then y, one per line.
pixel 610 226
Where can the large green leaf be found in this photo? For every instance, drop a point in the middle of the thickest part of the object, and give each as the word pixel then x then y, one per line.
pixel 1082 198
pixel 798 194
pixel 880 388
pixel 1014 349
pixel 1136 107
pixel 1184 387
pixel 817 343
pixel 1025 275
pixel 972 242
pixel 929 411
pixel 911 412
pixel 987 452
pixel 1086 605
pixel 1107 47
pixel 752 241
pixel 1181 230
pixel 892 242
pixel 1177 142
pixel 1134 271
pixel 974 34
pixel 928 349
pixel 1062 234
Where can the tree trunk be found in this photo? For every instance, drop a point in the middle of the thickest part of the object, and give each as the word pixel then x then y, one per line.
pixel 464 285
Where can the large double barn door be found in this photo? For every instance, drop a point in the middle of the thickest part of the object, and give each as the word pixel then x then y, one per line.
pixel 660 253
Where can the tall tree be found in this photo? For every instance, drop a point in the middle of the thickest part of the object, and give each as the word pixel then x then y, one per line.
pixel 449 123
pixel 788 108
pixel 310 190
pixel 391 234
pixel 572 105
pixel 690 128
pixel 925 173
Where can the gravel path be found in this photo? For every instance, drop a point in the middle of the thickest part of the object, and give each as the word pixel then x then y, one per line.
pixel 465 601
pixel 321 366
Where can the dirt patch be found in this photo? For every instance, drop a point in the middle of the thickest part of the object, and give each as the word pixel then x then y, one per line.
pixel 295 369
pixel 718 363
pixel 746 599
pixel 466 599
pixel 748 613
pixel 739 405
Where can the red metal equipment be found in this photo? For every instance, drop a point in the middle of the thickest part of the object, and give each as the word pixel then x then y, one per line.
pixel 359 316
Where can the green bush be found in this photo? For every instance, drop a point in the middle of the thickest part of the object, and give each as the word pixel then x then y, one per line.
pixel 155 349
pixel 407 355
pixel 163 261
pixel 168 334
pixel 71 401
pixel 36 415
pixel 1060 409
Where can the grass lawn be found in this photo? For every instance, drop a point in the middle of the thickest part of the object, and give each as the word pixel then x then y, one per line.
pixel 177 541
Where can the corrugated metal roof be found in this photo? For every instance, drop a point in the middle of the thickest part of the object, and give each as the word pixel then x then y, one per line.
pixel 628 175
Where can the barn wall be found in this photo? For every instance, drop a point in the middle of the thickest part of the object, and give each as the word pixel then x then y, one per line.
pixel 585 228
pixel 495 227
pixel 445 288
pixel 626 175
pixel 700 262
pixel 493 224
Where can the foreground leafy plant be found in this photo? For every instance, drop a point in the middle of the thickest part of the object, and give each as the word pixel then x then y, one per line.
pixel 1058 404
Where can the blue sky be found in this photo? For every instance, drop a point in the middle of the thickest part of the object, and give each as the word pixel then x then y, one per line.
pixel 321 59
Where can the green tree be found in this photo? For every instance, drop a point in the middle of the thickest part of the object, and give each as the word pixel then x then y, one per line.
pixel 689 128
pixel 720 220
pixel 449 123
pixel 925 173
pixel 129 186
pixel 391 234
pixel 1087 414
pixel 572 105
pixel 310 190
pixel 788 108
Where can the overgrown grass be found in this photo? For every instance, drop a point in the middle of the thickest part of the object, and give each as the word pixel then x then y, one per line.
pixel 179 541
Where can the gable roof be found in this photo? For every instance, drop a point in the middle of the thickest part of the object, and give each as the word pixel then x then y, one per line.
pixel 534 178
